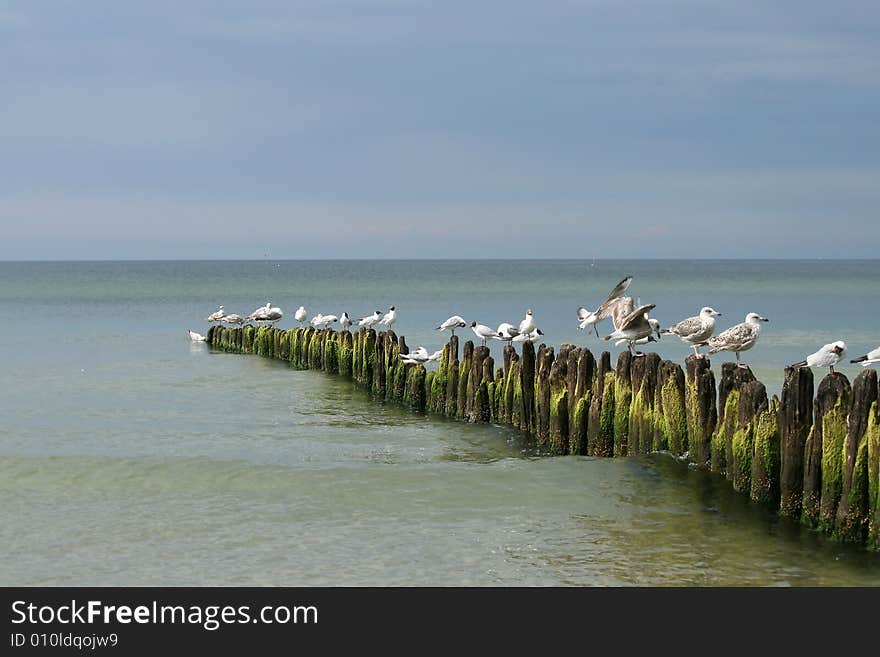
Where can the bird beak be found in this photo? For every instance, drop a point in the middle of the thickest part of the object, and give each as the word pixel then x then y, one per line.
pixel 764 319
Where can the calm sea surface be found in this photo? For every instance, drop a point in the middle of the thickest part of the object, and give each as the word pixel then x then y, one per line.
pixel 130 456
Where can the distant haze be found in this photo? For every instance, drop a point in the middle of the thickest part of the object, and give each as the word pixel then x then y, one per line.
pixel 399 128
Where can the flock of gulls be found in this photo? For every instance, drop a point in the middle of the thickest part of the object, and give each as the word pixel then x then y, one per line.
pixel 630 322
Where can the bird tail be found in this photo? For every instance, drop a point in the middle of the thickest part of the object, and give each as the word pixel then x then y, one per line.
pixel 607 337
pixel 666 330
pixel 803 363
pixel 860 359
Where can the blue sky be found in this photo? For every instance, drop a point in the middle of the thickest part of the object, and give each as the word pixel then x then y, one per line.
pixel 401 128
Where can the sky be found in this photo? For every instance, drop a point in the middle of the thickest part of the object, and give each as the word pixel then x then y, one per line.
pixel 410 129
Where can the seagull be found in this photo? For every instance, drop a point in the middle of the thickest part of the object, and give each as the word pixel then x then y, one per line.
pixel 828 356
pixel 483 332
pixel 871 358
pixel 196 337
pixel 529 337
pixel 216 316
pixel 259 314
pixel 316 320
pixel 694 330
pixel 390 317
pixel 345 321
pixel 369 320
pixel 592 318
pixel 232 319
pixel 655 326
pixel 326 320
pixel 634 326
pixel 421 358
pixel 300 314
pixel 741 337
pixel 506 332
pixel 273 315
pixel 528 324
pixel 452 323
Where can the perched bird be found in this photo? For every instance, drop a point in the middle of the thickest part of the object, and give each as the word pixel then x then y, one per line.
pixel 828 356
pixel 215 316
pixel 326 320
pixel 369 320
pixel 452 323
pixel 592 318
pixel 390 317
pixel 300 314
pixel 259 315
pixel 316 320
pixel 232 319
pixel 655 326
pixel 528 324
pixel 482 331
pixel 741 337
pixel 196 337
pixel 420 356
pixel 345 321
pixel 695 330
pixel 529 337
pixel 506 332
pixel 634 326
pixel 871 358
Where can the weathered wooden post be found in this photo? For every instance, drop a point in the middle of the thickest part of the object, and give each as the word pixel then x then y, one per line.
pixel 622 403
pixel 733 379
pixel 543 362
pixel 643 384
pixel 464 372
pixel 582 370
pixel 752 403
pixel 766 466
pixel 449 397
pixel 670 410
pixel 823 453
pixel 852 513
pixel 414 396
pixel 872 436
pixel 557 401
pixel 795 422
pixel 702 415
pixel 528 422
pixel 346 349
pixel 474 382
pixel 600 428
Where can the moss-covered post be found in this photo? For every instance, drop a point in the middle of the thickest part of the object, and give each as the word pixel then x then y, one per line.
pixel 702 414
pixel 543 362
pixel 527 371
pixel 346 349
pixel 643 383
pixel 513 393
pixel 872 437
pixel 852 513
pixel 437 394
pixel 823 453
pixel 582 366
pixel 733 379
pixel 464 371
pixel 752 404
pixel 377 381
pixel 795 422
pixel 766 457
pixel 670 410
pixel 558 401
pixel 452 378
pixel 600 427
pixel 473 384
pixel 414 395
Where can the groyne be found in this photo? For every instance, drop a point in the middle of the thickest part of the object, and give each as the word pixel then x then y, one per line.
pixel 813 455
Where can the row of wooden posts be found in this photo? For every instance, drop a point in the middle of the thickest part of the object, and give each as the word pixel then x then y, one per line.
pixel 813 457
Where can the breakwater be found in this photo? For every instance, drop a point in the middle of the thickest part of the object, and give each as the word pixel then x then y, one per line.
pixel 813 454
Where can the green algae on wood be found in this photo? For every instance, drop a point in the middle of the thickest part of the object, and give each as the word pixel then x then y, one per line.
pixel 872 439
pixel 622 402
pixel 558 405
pixel 700 404
pixel 671 410
pixel 766 457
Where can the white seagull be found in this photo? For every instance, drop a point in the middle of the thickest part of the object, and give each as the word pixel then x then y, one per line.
pixel 506 332
pixel 529 337
pixel 528 324
pixel 592 318
pixel 390 317
pixel 259 315
pixel 483 332
pixel 232 319
pixel 300 314
pixel 345 321
pixel 828 356
pixel 316 320
pixel 452 323
pixel 871 358
pixel 326 320
pixel 655 326
pixel 633 326
pixel 216 316
pixel 196 337
pixel 741 337
pixel 369 320
pixel 695 330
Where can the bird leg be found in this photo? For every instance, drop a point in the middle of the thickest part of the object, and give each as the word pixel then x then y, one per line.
pixel 739 364
pixel 596 330
pixel 833 373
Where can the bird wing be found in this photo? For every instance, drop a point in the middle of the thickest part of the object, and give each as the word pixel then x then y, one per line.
pixel 616 309
pixel 735 336
pixel 687 327
pixel 619 289
pixel 636 316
